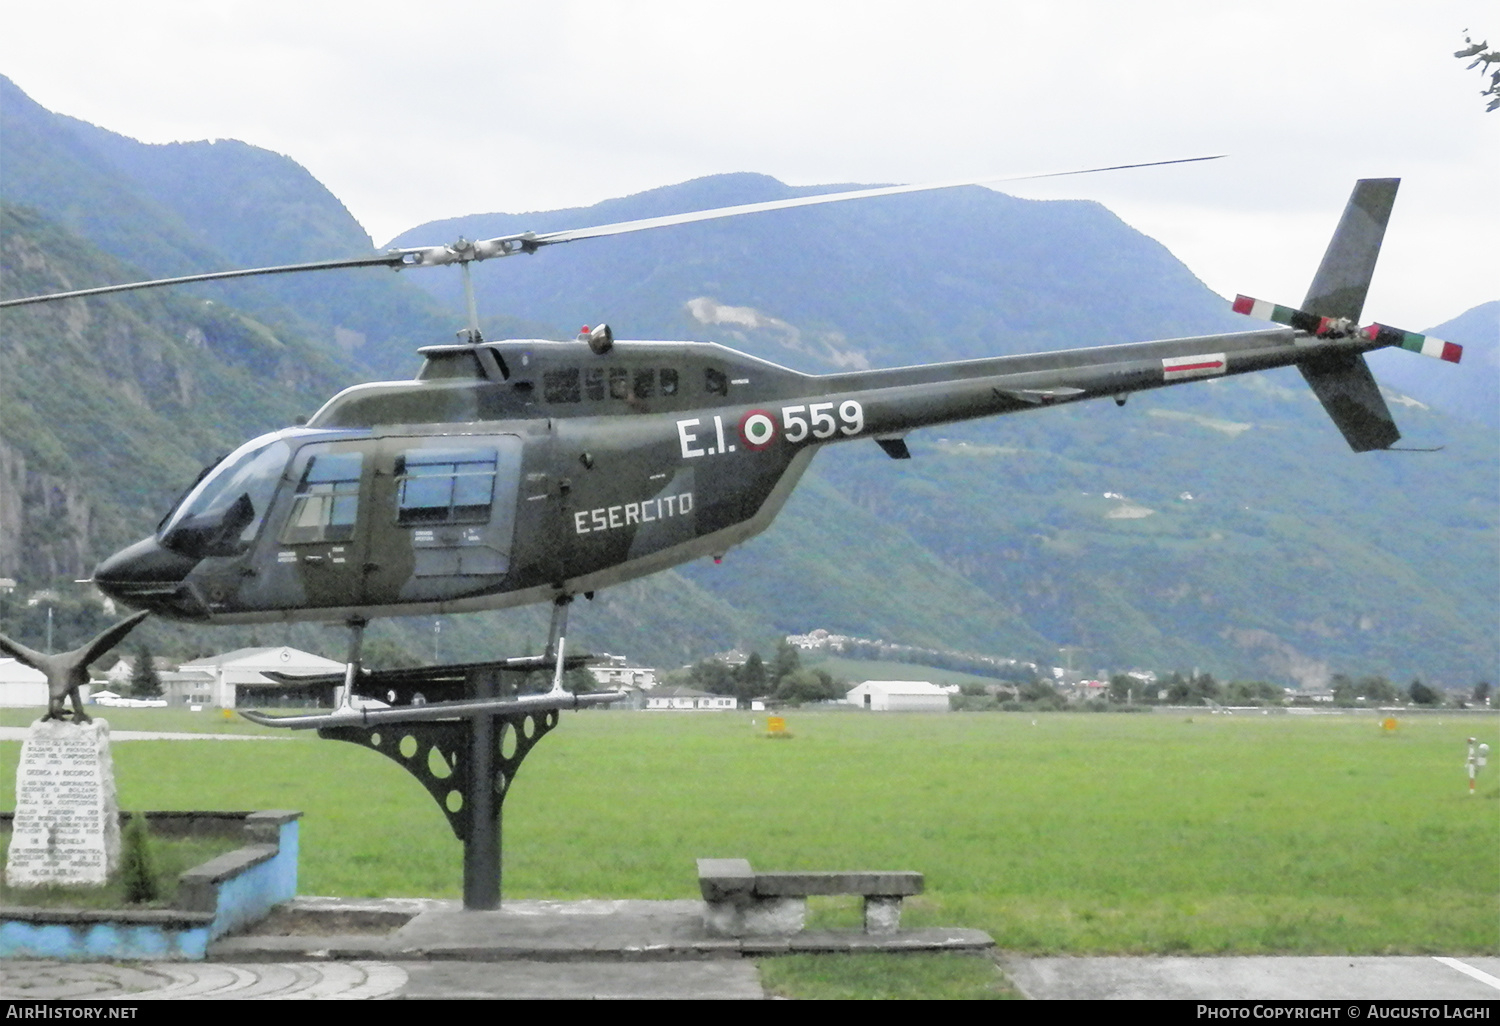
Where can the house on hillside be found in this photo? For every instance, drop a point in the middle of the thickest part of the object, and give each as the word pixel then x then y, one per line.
pixel 898 696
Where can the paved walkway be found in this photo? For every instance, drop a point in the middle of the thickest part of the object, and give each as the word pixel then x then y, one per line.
pixel 335 948
pixel 94 981
pixel 518 980
pixel 622 930
pixel 1413 978
pixel 1392 978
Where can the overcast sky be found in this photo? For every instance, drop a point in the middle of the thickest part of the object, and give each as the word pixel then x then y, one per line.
pixel 414 111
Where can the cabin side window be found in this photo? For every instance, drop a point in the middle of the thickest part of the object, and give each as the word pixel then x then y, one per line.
pixel 619 383
pixel 668 381
pixel 593 383
pixel 715 382
pixel 645 383
pixel 327 499
pixel 445 486
pixel 561 386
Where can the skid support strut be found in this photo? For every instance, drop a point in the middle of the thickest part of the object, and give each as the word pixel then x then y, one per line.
pixel 557 640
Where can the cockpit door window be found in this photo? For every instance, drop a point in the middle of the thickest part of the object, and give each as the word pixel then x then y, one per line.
pixel 326 503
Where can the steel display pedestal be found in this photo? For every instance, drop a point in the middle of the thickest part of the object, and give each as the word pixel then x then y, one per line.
pixel 467 754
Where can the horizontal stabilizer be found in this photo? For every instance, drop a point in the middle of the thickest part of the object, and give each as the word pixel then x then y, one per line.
pixel 1042 396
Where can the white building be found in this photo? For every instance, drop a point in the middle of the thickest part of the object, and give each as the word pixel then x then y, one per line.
pixel 688 698
pixel 119 675
pixel 620 677
pixel 23 687
pixel 898 696
pixel 190 688
pixel 247 668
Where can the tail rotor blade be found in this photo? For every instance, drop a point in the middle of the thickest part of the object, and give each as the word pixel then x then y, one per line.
pixel 1384 335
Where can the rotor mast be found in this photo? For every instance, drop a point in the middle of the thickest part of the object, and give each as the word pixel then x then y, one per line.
pixel 471 333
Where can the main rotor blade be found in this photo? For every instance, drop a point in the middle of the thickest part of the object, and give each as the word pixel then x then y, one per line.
pixel 622 227
pixel 463 251
pixel 387 259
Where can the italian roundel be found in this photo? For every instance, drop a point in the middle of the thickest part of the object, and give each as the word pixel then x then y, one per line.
pixel 757 430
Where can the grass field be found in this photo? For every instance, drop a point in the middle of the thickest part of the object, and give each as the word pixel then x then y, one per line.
pixel 1165 833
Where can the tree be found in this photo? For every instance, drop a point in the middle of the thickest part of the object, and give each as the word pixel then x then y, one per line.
pixel 1179 688
pixel 1421 694
pixel 1482 693
pixel 388 654
pixel 1042 695
pixel 809 686
pixel 712 676
pixel 144 681
pixel 1246 692
pixel 750 681
pixel 1204 686
pixel 137 864
pixel 1377 689
pixel 579 680
pixel 1483 55
pixel 787 662
pixel 1344 689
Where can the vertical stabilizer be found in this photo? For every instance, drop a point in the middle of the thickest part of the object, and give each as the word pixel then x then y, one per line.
pixel 1343 383
pixel 1339 287
pixel 1346 388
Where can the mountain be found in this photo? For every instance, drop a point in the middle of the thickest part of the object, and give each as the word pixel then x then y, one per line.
pixel 1225 525
pixel 181 208
pixel 1472 389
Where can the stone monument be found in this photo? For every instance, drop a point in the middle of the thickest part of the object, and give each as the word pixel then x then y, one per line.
pixel 67 823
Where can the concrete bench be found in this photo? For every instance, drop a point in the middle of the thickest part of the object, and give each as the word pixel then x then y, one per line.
pixel 744 903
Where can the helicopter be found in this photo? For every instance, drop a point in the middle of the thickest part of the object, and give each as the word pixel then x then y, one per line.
pixel 527 470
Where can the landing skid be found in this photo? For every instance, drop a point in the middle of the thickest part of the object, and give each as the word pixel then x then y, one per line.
pixel 351 716
pixel 440 692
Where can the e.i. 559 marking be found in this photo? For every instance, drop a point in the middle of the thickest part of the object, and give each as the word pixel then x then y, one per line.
pixel 757 429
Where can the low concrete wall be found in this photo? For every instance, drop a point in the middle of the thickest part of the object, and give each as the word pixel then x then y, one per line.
pixel 222 895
